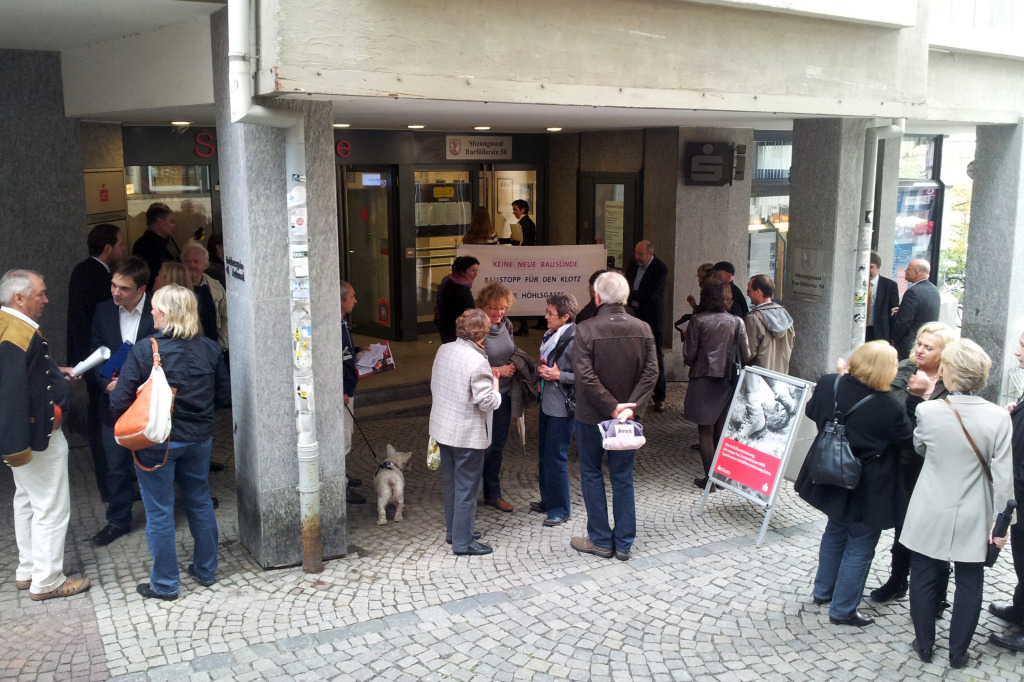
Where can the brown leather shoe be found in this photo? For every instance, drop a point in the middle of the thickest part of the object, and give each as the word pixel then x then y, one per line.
pixel 585 546
pixel 500 505
pixel 69 587
pixel 23 584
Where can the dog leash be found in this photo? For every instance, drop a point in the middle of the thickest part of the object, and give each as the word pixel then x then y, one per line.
pixel 363 434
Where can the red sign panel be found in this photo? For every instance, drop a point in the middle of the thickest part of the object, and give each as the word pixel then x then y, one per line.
pixel 749 466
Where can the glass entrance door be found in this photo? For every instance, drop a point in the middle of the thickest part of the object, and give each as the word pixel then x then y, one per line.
pixel 499 187
pixel 369 245
pixel 608 214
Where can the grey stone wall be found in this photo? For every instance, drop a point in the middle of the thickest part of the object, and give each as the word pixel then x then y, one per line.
pixel 42 202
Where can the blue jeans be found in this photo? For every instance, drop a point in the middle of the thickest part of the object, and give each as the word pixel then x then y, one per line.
pixel 119 467
pixel 844 560
pixel 620 473
pixel 492 456
pixel 554 435
pixel 189 467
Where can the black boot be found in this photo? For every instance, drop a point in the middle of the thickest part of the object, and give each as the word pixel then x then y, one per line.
pixel 894 588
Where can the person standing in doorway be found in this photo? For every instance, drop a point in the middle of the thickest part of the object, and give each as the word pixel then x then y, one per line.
pixel 883 297
pixel 157 244
pixel 88 287
pixel 527 228
pixel 647 275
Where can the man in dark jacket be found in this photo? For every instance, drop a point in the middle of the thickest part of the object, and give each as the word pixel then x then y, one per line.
pixel 88 287
pixel 920 304
pixel 646 276
pixel 883 296
pixel 33 391
pixel 127 317
pixel 616 368
pixel 728 272
pixel 1014 611
pixel 156 243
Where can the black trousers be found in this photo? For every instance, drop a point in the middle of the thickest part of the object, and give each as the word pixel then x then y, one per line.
pixel 927 576
pixel 1017 551
pixel 660 389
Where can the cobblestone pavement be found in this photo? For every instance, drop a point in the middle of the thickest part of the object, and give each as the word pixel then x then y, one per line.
pixel 698 601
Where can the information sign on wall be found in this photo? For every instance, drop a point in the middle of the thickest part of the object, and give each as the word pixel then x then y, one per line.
pixel 533 273
pixel 484 147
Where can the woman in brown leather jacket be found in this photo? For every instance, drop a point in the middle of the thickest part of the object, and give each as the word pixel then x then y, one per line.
pixel 715 342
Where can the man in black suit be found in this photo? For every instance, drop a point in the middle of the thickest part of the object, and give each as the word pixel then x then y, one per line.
pixel 739 303
pixel 1014 611
pixel 920 304
pixel 883 296
pixel 646 276
pixel 156 243
pixel 88 287
pixel 128 316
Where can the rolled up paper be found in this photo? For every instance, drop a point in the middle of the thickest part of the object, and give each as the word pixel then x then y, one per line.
pixel 98 357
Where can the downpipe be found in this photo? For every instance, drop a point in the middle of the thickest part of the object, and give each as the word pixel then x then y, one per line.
pixel 293 122
pixel 867 205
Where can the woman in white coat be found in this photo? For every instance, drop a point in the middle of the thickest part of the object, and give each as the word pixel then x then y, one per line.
pixel 464 394
pixel 956 498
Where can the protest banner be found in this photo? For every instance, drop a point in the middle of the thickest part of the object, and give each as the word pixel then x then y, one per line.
pixel 533 273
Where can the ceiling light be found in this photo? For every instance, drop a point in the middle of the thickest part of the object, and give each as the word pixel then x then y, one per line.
pixel 554 130
pixel 181 123
pixel 415 126
pixel 481 127
pixel 341 125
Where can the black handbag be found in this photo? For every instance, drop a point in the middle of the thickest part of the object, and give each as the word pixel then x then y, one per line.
pixel 830 460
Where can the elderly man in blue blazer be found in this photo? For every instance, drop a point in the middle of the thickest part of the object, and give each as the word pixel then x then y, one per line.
pixel 127 317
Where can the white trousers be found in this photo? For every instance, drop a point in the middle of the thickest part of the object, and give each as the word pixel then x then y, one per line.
pixel 347 426
pixel 42 508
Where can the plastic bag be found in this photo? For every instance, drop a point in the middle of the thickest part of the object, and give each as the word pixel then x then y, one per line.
pixel 433 455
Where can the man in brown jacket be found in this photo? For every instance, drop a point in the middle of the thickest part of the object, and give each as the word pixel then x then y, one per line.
pixel 616 369
pixel 769 327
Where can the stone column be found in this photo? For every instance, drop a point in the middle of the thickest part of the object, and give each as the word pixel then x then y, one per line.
pixel 886 186
pixel 824 209
pixel 994 293
pixel 711 226
pixel 253 179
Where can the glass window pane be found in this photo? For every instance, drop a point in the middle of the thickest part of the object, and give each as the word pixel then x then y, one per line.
pixel 369 244
pixel 185 189
pixel 443 210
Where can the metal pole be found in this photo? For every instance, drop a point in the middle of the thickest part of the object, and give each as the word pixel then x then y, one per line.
pixel 867 205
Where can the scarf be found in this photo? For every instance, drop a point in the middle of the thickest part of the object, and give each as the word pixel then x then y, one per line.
pixel 550 340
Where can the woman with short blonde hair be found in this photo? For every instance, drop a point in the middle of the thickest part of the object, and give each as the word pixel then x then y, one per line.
pixel 857 517
pixel 195 369
pixel 177 305
pixel 874 365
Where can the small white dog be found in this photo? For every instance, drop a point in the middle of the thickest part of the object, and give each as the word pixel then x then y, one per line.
pixel 390 483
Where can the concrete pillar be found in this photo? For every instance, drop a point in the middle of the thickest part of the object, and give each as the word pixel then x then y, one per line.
pixel 255 244
pixel 824 211
pixel 993 300
pixel 711 225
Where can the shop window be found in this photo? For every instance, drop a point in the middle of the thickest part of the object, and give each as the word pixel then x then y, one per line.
pixel 185 189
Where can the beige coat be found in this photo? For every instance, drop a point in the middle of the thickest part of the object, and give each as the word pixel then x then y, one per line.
pixel 952 508
pixel 771 348
pixel 220 303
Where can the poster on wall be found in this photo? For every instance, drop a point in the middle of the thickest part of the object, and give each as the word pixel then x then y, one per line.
pixel 533 273
pixel 758 438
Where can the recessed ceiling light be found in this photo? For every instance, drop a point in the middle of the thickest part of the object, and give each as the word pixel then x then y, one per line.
pixel 341 125
pixel 181 123
pixel 554 130
pixel 415 126
pixel 481 127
